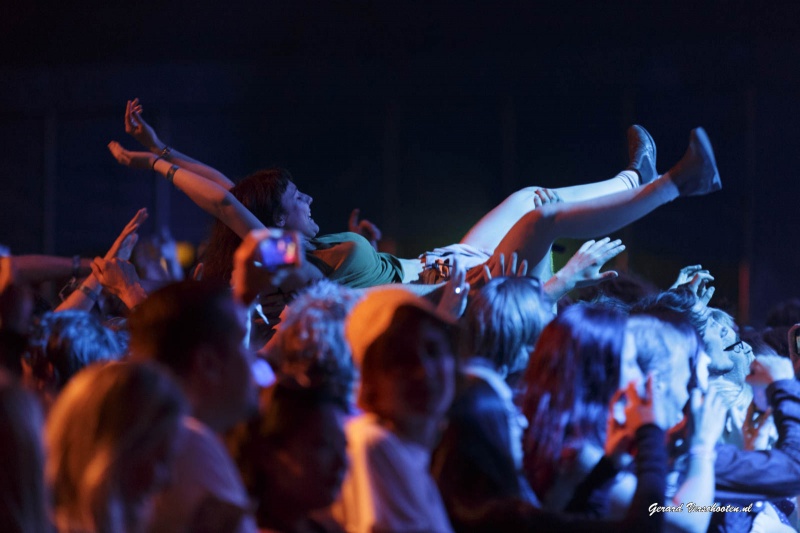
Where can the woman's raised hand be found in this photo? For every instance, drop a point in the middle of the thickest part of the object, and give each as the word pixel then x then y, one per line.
pixel 123 245
pixel 140 160
pixel 583 268
pixel 136 127
pixel 365 228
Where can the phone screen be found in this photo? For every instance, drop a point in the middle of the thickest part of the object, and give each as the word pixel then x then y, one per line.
pixel 279 250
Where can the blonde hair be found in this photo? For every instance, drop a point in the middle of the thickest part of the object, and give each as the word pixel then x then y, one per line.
pixel 109 415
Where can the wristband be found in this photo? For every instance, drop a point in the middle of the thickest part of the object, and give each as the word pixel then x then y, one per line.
pixel 93 296
pixel 165 153
pixel 701 451
pixel 171 173
pixel 153 166
pixel 76 265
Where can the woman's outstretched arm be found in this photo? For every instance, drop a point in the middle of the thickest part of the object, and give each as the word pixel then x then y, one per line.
pixel 85 296
pixel 136 127
pixel 208 195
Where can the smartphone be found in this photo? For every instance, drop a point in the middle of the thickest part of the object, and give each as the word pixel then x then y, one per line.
pixel 281 249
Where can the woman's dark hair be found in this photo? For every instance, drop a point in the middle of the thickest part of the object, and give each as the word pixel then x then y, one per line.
pixel 571 377
pixel 289 406
pixel 473 462
pixel 261 194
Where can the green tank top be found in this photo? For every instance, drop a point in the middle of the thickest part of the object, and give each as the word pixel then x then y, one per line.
pixel 349 259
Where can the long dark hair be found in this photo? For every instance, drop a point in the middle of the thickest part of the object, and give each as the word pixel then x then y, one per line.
pixel 473 462
pixel 570 379
pixel 260 193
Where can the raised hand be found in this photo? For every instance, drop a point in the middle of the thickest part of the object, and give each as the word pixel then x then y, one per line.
pixel 140 160
pixel 708 416
pixel 757 428
pixel 766 369
pixel 509 270
pixel 696 279
pixel 639 410
pixel 544 196
pixel 583 268
pixel 136 127
pixel 365 228
pixel 124 244
pixel 249 280
pixel 120 279
pixel 686 274
pixel 456 290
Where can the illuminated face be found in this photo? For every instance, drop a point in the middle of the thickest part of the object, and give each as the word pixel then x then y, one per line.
pixel 716 338
pixel 297 213
pixel 426 388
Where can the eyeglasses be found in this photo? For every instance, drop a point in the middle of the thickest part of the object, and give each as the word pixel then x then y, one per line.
pixel 736 347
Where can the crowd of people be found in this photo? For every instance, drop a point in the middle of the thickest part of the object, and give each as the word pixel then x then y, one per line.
pixel 467 389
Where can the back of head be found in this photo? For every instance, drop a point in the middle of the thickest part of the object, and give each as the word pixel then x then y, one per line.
pixel 473 462
pixel 174 321
pixel 784 314
pixel 571 377
pixel 261 194
pixel 660 337
pixel 777 338
pixel 504 320
pixel 300 433
pixel 625 289
pixel 310 345
pixel 109 425
pixel 680 300
pixel 67 342
pixel 22 494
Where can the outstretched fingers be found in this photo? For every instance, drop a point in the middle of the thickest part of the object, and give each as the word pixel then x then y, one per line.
pixel 122 156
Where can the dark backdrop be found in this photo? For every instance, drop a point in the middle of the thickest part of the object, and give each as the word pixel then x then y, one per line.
pixel 424 114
